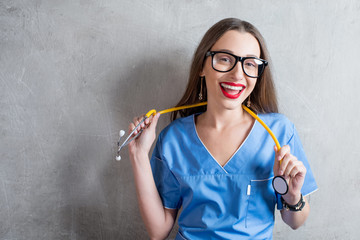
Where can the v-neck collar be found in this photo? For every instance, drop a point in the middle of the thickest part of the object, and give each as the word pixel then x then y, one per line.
pixel 211 156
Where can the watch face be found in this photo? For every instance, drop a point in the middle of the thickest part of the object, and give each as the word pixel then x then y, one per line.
pixel 280 186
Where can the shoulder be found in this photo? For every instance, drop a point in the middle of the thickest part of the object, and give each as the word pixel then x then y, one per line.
pixel 175 138
pixel 276 119
pixel 279 124
pixel 178 127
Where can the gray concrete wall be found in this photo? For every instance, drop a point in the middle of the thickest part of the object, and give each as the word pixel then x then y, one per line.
pixel 74 72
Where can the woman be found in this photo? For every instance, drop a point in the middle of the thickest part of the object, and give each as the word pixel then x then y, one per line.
pixel 217 162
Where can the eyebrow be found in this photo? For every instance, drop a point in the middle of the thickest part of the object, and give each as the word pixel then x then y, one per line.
pixel 229 51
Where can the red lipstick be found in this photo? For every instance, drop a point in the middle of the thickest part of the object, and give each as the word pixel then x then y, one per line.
pixel 231 90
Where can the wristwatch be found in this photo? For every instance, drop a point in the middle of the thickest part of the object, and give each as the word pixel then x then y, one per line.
pixel 295 208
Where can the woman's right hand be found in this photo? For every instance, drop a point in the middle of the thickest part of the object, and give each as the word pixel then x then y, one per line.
pixel 142 144
pixel 158 220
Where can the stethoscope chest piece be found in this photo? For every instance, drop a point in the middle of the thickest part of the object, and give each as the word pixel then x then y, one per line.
pixel 280 185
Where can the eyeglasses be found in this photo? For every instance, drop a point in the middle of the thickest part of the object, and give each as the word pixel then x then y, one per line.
pixel 225 62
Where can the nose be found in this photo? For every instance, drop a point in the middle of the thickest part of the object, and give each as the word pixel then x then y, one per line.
pixel 237 71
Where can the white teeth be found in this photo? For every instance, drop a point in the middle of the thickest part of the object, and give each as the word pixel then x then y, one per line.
pixel 232 87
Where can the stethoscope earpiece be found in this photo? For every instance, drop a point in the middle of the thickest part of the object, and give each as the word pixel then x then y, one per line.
pixel 121 134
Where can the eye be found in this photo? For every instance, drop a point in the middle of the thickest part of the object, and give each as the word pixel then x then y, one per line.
pixel 223 58
pixel 252 63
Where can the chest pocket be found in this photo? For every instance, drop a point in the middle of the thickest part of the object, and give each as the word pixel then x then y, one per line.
pixel 261 203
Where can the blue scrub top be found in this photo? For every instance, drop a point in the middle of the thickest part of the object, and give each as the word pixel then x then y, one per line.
pixel 229 202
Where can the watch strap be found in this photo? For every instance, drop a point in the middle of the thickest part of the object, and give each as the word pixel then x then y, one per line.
pixel 295 208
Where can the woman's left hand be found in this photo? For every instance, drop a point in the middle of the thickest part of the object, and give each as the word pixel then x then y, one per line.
pixel 292 170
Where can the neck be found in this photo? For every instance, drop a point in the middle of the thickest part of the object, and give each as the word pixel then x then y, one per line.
pixel 221 117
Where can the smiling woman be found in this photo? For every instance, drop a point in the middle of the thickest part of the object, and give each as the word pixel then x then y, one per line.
pixel 216 162
pixel 221 69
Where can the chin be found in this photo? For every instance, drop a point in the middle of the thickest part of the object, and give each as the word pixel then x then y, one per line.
pixel 233 105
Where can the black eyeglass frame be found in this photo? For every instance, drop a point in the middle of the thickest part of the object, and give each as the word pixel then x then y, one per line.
pixel 237 59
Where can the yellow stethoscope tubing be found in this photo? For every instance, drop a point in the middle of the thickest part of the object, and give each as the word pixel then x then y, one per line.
pixel 153 112
pixel 264 125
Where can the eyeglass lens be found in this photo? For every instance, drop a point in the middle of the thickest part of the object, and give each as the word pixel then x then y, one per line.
pixel 225 62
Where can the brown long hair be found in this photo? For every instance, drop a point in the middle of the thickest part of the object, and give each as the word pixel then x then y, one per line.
pixel 263 97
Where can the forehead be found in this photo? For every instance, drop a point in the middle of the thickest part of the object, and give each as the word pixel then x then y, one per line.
pixel 239 43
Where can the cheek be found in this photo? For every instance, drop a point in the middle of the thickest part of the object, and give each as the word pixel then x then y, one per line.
pixel 251 84
pixel 212 77
pixel 207 68
pixel 250 87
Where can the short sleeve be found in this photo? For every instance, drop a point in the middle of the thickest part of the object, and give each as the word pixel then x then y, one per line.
pixel 297 150
pixel 165 181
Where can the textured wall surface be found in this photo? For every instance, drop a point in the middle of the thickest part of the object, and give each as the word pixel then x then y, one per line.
pixel 75 72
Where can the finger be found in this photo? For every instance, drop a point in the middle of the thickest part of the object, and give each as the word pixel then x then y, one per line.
pixel 143 125
pixel 147 121
pixel 136 122
pixel 282 152
pixel 291 166
pixel 284 163
pixel 279 155
pixel 298 169
pixel 154 120
pixel 131 127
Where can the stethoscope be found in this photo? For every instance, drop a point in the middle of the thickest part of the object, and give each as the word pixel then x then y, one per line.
pixel 279 183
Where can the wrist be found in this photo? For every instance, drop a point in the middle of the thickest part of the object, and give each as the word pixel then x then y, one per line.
pixel 292 199
pixel 294 207
pixel 139 156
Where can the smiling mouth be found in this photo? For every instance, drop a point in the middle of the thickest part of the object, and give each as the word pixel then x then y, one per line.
pixel 232 90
